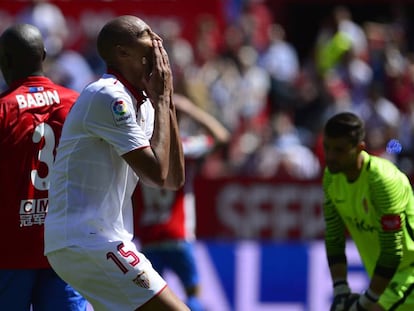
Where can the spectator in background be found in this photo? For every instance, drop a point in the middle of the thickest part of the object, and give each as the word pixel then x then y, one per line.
pixel 240 91
pixel 65 66
pixel 381 119
pixel 253 87
pixel 377 40
pixel 199 75
pixel 165 220
pixel 355 33
pixel 331 45
pixel 283 152
pixel 255 19
pixel 282 63
pixel 180 50
pixel 398 82
pixel 370 198
pixel 337 39
pixel 405 159
pixel 50 20
pixel 32 112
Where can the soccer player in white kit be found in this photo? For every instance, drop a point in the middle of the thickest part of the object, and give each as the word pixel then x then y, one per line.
pixel 122 127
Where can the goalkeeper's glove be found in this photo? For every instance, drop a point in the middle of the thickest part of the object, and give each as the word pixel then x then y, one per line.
pixel 362 303
pixel 341 294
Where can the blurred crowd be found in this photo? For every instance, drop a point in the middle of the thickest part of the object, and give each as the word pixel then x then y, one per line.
pixel 250 77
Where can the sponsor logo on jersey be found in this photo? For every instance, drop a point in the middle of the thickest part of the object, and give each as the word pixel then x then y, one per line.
pixel 362 225
pixel 142 280
pixel 33 211
pixel 120 108
pixel 37 98
pixel 120 112
pixel 391 222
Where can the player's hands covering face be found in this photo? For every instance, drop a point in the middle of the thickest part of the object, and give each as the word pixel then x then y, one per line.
pixel 160 82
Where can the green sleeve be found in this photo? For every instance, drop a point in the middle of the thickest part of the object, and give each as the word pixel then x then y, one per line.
pixel 335 228
pixel 387 196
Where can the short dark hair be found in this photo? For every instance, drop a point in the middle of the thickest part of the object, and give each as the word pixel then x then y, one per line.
pixel 345 124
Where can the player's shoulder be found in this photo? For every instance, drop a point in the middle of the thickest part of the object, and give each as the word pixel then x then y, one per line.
pixel 10 92
pixel 381 165
pixel 384 171
pixel 327 179
pixel 5 96
pixel 40 85
pixel 101 94
pixel 106 87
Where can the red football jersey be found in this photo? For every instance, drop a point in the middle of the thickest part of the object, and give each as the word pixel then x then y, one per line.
pixel 32 113
pixel 162 215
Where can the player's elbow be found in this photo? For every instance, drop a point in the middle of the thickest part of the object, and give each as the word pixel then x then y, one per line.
pixel 153 180
pixel 170 182
pixel 175 182
pixel 181 182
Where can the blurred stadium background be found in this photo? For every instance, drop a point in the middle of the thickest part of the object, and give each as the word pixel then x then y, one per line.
pixel 272 71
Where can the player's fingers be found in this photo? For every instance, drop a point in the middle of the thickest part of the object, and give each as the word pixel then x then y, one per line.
pixel 164 54
pixel 158 58
pixel 161 59
pixel 164 59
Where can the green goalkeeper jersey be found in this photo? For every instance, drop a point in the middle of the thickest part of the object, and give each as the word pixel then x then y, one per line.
pixel 377 210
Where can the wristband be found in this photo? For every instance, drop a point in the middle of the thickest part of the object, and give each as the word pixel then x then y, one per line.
pixel 340 282
pixel 341 288
pixel 368 299
pixel 371 295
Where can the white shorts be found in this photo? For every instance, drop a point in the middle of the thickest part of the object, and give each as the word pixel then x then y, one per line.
pixel 111 276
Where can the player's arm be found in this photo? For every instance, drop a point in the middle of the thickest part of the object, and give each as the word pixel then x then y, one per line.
pixel 335 249
pixel 389 258
pixel 387 264
pixel 219 133
pixel 335 241
pixel 388 198
pixel 153 165
pixel 335 235
pixel 176 162
pixel 162 163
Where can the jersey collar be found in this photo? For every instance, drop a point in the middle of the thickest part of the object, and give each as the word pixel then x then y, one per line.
pixel 139 95
pixel 28 80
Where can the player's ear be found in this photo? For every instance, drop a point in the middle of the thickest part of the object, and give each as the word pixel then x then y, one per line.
pixel 121 51
pixel 44 54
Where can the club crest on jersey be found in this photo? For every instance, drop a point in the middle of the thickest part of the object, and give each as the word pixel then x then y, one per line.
pixel 142 280
pixel 120 112
pixel 391 222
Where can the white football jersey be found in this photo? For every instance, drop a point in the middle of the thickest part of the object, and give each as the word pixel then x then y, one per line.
pixel 91 184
